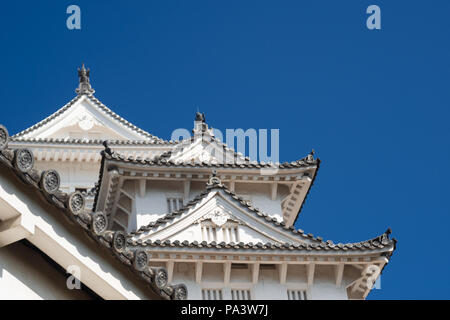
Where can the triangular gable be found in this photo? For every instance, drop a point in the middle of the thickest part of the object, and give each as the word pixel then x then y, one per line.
pixel 254 226
pixel 85 117
pixel 30 221
pixel 207 150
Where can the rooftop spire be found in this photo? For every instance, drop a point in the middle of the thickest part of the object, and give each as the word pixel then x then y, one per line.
pixel 85 86
pixel 200 125
pixel 199 116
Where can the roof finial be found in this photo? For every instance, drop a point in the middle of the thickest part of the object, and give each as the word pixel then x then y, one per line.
pixel 200 125
pixel 85 86
pixel 200 116
pixel 107 148
pixel 214 181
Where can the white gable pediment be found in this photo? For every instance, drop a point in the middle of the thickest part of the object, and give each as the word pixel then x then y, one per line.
pixel 203 150
pixel 218 212
pixel 83 119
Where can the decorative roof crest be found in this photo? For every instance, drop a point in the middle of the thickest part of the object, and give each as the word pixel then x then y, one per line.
pixel 85 86
pixel 107 148
pixel 214 181
pixel 200 117
pixel 218 217
pixel 200 125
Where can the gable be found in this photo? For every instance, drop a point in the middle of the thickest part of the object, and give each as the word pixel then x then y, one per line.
pixel 85 117
pixel 217 211
pixel 204 150
pixel 34 211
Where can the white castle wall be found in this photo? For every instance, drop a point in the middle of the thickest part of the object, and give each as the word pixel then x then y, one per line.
pixel 73 174
pixel 20 279
pixel 267 288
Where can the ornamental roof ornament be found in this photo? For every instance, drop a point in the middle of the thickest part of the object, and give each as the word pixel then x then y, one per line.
pixel 310 156
pixel 107 148
pixel 84 86
pixel 200 117
pixel 200 125
pixel 214 181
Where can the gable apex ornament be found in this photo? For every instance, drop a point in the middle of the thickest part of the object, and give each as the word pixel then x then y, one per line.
pixel 218 217
pixel 214 181
pixel 84 86
pixel 200 125
pixel 200 117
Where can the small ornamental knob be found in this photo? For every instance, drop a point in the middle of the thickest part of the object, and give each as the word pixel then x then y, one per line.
pixel 50 181
pixel 107 148
pixel 99 223
pixel 119 241
pixel 160 277
pixel 310 156
pixel 214 180
pixel 76 203
pixel 4 137
pixel 179 292
pixel 200 117
pixel 24 160
pixel 140 260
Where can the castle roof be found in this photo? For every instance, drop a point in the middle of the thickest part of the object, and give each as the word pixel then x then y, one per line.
pixel 46 183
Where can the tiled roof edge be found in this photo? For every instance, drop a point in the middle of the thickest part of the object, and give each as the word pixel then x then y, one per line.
pixel 92 141
pixel 162 161
pixel 318 241
pixel 94 225
pixel 98 103
pixel 366 246
pixel 48 119
pixel 309 189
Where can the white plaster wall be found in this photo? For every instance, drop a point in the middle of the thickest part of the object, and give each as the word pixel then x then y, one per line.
pixel 260 196
pixel 73 174
pixel 191 233
pixel 154 204
pixel 24 274
pixel 247 235
pixel 268 286
pixel 194 233
pixel 327 291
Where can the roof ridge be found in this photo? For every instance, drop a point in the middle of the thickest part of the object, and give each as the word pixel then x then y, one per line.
pixel 47 119
pixel 98 103
pixel 260 245
pixel 382 239
pixel 94 224
pixel 302 163
pixel 191 140
pixel 92 141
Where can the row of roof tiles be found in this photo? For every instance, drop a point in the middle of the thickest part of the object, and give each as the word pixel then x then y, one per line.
pixel 21 161
pixel 318 242
pixel 93 141
pixel 374 244
pixel 163 161
pixel 97 102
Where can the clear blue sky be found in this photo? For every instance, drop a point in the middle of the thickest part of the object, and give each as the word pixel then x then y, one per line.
pixel 373 104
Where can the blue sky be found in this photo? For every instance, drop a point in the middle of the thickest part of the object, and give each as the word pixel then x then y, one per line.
pixel 374 105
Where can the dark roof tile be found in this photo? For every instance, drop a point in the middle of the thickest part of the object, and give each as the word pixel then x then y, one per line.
pixel 84 220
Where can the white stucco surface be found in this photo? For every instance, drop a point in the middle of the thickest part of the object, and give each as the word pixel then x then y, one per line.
pixel 24 274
